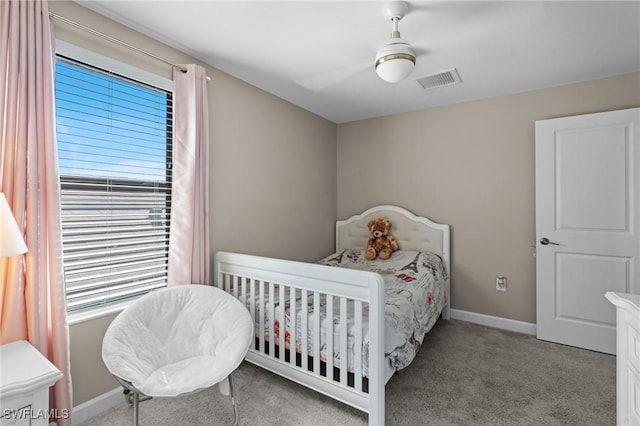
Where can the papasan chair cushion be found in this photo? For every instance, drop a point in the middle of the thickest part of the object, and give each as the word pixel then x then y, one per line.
pixel 178 340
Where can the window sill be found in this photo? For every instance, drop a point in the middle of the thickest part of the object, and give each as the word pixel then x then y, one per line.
pixel 95 313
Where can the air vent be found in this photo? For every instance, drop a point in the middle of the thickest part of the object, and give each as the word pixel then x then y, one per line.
pixel 444 78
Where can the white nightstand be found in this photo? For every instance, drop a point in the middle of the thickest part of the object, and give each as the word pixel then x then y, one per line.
pixel 627 357
pixel 25 378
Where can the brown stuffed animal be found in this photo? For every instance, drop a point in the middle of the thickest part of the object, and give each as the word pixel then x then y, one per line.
pixel 381 244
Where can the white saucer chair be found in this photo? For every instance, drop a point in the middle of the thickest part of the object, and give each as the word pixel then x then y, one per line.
pixel 178 340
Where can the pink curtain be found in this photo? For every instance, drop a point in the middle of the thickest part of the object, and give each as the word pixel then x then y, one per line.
pixel 189 238
pixel 32 296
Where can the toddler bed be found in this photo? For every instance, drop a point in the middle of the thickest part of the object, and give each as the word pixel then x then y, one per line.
pixel 377 311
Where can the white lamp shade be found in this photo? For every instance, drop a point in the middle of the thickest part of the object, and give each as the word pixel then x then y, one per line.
pixel 395 60
pixel 11 242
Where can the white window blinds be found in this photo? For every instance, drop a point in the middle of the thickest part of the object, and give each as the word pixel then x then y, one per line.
pixel 114 148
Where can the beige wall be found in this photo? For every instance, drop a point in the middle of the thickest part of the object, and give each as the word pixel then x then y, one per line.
pixel 89 376
pixel 273 174
pixel 470 165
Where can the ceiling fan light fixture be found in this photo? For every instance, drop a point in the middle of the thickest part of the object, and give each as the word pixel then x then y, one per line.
pixel 395 60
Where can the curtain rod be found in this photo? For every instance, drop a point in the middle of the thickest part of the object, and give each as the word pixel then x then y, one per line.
pixel 116 41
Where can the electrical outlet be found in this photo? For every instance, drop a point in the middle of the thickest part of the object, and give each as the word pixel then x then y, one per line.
pixel 501 283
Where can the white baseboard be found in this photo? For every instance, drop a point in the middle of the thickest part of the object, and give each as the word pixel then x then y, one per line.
pixel 97 406
pixel 496 322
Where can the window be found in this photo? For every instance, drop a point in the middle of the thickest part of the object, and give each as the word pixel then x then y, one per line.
pixel 114 149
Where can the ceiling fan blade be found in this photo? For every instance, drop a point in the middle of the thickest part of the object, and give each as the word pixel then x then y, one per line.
pixel 320 81
pixel 468 12
pixel 471 22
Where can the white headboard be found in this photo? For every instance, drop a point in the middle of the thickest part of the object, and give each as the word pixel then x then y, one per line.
pixel 412 232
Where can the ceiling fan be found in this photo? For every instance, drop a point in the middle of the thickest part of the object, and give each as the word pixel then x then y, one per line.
pixel 394 61
pixel 396 58
pixel 466 26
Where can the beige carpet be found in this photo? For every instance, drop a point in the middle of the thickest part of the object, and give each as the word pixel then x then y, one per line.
pixel 464 374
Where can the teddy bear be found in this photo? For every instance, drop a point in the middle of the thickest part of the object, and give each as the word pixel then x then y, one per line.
pixel 381 244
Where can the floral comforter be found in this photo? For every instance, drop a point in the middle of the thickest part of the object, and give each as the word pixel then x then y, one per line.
pixel 414 294
pixel 414 297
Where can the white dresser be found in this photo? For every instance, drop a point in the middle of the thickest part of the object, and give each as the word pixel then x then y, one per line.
pixel 25 378
pixel 627 357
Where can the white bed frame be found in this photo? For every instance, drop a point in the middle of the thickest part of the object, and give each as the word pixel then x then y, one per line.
pixel 298 279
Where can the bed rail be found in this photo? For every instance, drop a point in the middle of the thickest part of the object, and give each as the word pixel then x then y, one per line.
pixel 263 283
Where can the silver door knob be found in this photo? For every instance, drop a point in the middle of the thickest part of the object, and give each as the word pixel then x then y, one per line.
pixel 544 241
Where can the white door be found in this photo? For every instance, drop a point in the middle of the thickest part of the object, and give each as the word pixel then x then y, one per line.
pixel 587 224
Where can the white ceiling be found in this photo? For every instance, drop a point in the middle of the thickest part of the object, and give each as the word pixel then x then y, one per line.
pixel 320 55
